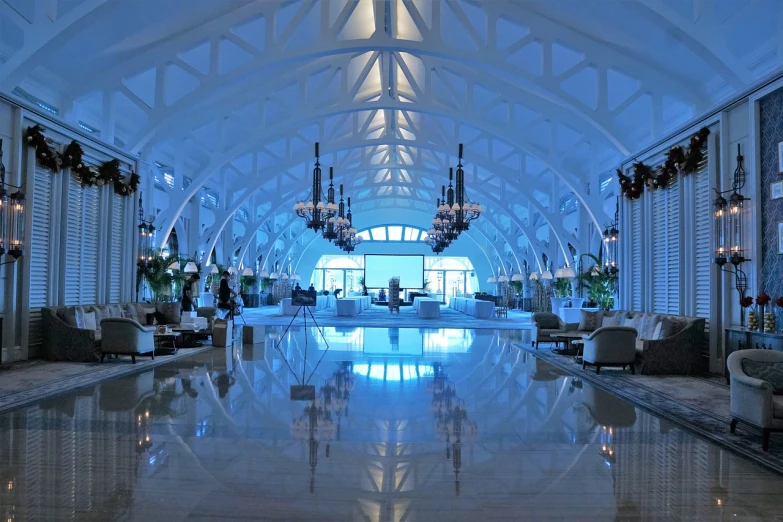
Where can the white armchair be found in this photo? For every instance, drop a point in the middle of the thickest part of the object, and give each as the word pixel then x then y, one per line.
pixel 126 337
pixel 752 399
pixel 610 346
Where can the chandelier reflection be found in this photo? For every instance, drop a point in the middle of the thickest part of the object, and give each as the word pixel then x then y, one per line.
pixel 451 419
pixel 320 421
pixel 143 424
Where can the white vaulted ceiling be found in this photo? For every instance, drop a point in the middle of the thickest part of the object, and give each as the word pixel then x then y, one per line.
pixel 546 95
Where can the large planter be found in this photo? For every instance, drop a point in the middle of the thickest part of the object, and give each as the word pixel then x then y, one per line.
pixel 557 302
pixel 251 300
pixel 577 302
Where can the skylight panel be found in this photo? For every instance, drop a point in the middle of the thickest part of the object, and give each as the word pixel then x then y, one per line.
pixel 395 233
pixel 379 234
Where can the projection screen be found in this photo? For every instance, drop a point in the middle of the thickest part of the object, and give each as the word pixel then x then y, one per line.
pixel 378 269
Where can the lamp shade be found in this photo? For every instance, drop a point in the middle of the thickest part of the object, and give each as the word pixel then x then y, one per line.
pixel 546 275
pixel 517 277
pixel 247 271
pixel 533 276
pixel 284 276
pixel 174 265
pixel 492 280
pixel 569 272
pixel 559 273
pixel 232 270
pixel 273 275
pixel 503 279
pixel 214 269
pixel 263 274
pixel 191 268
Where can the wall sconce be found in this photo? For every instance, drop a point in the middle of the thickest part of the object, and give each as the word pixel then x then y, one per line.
pixel 12 217
pixel 727 220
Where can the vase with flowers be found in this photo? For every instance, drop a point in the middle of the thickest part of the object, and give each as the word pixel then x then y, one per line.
pixel 744 302
pixel 763 300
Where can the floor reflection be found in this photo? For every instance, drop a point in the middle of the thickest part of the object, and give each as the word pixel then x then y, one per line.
pixel 403 428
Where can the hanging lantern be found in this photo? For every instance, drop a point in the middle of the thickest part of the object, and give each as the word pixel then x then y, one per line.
pixel 736 202
pixel 15 232
pixel 720 225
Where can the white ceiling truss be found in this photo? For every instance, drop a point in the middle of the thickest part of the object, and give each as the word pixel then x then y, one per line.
pixel 546 96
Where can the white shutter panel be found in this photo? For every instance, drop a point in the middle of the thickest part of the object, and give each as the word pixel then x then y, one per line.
pixel 40 247
pixel 73 243
pixel 116 244
pixel 81 249
pixel 636 253
pixel 88 291
pixel 673 232
pixel 703 247
pixel 659 244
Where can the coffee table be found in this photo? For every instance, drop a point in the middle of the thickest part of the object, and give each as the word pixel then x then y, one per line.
pixel 162 337
pixel 189 337
pixel 567 338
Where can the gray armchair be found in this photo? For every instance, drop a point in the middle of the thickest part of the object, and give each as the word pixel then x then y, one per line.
pixel 752 399
pixel 545 324
pixel 610 346
pixel 126 337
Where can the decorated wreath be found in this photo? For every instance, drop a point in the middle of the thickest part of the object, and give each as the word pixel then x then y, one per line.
pixel 45 155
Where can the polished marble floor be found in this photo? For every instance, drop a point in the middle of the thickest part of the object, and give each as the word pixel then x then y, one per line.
pixel 407 425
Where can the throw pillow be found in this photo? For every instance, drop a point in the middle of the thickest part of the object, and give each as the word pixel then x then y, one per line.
pixel 115 310
pixel 160 318
pixel 101 312
pixel 89 321
pixel 657 332
pixel 547 321
pixel 590 321
pixel 647 325
pixel 671 326
pixel 172 312
pixel 771 372
pixel 74 317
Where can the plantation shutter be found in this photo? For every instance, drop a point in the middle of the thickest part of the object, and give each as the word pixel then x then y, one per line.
pixel 116 244
pixel 660 263
pixel 702 237
pixel 636 254
pixel 40 254
pixel 673 232
pixel 81 249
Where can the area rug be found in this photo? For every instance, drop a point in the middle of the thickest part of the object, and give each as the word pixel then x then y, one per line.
pixel 49 379
pixel 697 404
pixel 379 317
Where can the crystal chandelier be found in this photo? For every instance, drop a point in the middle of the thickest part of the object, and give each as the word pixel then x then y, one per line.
pixel 465 210
pixel 329 231
pixel 315 212
pixel 454 211
pixel 350 239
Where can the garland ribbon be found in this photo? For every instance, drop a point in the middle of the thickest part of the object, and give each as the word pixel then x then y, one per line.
pixel 678 160
pixel 107 172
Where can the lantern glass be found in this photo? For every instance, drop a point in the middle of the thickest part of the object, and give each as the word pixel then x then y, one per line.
pixel 143 242
pixel 15 232
pixel 720 225
pixel 4 217
pixel 735 228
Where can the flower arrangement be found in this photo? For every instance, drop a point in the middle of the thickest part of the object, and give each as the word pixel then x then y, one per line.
pixel 779 302
pixel 747 301
pixel 763 299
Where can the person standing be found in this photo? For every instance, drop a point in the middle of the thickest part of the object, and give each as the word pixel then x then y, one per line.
pixel 188 305
pixel 225 293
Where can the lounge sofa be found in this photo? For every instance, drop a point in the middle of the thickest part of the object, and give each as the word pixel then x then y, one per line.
pixel 72 333
pixel 756 398
pixel 545 324
pixel 665 344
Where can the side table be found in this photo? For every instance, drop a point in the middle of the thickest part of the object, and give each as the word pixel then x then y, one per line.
pixel 162 337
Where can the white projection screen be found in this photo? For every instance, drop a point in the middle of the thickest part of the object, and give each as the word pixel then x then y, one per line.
pixel 378 269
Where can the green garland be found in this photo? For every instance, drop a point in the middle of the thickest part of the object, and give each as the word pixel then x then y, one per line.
pixel 72 158
pixel 678 160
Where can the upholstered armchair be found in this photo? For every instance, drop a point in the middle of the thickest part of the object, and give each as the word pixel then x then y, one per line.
pixel 755 399
pixel 610 346
pixel 545 324
pixel 126 337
